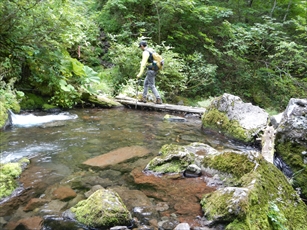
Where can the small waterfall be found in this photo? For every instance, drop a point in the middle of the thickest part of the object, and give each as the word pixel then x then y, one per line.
pixel 27 120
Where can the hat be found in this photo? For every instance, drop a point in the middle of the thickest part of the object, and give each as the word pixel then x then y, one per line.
pixel 142 43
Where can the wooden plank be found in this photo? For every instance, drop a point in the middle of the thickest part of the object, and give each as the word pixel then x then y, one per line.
pixel 134 104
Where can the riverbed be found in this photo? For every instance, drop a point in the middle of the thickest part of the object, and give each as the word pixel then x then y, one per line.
pixel 62 145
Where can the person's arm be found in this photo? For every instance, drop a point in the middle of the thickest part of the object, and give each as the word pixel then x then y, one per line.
pixel 145 57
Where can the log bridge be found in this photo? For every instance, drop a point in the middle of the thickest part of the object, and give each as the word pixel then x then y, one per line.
pixel 133 103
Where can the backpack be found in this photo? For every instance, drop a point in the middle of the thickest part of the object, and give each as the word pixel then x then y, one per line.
pixel 156 60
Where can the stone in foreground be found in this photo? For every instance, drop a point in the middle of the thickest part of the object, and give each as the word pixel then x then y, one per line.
pixel 104 208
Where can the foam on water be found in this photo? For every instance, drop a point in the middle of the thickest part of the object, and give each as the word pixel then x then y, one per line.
pixel 29 120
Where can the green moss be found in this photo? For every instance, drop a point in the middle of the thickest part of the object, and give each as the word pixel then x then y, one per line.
pixel 171 159
pixel 169 149
pixel 8 173
pixel 237 225
pixel 32 101
pixel 175 166
pixel 11 169
pixel 291 153
pixel 48 107
pixel 7 185
pixel 269 201
pixel 3 115
pixel 15 107
pixel 103 208
pixel 217 120
pixel 228 162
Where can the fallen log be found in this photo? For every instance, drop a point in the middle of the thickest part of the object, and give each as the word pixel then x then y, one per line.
pixel 267 142
pixel 134 104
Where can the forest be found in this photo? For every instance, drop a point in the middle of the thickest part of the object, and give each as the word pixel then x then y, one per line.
pixel 61 50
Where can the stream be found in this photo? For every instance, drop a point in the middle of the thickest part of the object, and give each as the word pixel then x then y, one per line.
pixel 62 142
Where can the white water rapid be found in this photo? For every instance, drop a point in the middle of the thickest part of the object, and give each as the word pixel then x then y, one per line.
pixel 28 120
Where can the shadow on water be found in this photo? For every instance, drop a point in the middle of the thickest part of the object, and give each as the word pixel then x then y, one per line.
pixel 58 144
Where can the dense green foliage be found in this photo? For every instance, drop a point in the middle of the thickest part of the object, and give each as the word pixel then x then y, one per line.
pixel 61 49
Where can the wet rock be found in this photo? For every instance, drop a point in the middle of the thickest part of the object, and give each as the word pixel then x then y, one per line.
pixel 30 223
pixel 181 194
pixel 54 207
pixel 229 114
pixel 192 171
pixel 119 228
pixel 133 198
pixel 162 206
pixel 64 193
pixel 182 226
pixel 53 124
pixel 104 208
pixel 168 223
pixel 176 159
pixel 117 156
pixel 34 203
pixel 171 118
pixel 76 200
pixel 33 184
pixel 92 190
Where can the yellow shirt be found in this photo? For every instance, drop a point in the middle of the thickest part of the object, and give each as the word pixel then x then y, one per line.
pixel 145 57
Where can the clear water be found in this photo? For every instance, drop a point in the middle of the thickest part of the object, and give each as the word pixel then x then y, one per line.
pixel 85 133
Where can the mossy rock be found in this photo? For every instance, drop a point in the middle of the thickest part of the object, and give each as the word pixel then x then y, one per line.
pixel 216 120
pixel 231 116
pixel 104 208
pixel 230 162
pixel 9 172
pixel 292 155
pixel 176 159
pixel 263 199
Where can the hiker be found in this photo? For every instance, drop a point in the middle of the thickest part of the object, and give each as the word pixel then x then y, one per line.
pixel 150 75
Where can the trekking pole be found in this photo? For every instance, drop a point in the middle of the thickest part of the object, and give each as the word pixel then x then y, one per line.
pixel 137 87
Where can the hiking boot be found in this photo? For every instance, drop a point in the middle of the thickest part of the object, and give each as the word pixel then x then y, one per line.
pixel 159 101
pixel 144 100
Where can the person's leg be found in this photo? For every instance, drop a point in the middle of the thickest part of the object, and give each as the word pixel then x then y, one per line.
pixel 151 75
pixel 145 91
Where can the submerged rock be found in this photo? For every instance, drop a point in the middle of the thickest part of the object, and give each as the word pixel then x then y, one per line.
pixel 171 118
pixel 104 208
pixel 116 156
pixel 232 116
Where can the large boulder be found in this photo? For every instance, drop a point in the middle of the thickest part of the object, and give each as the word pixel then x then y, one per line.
pixel 250 190
pixel 177 159
pixel 230 115
pixel 104 208
pixel 259 197
pixel 291 142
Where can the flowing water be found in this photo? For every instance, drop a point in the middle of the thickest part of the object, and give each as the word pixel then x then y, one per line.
pixel 82 134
